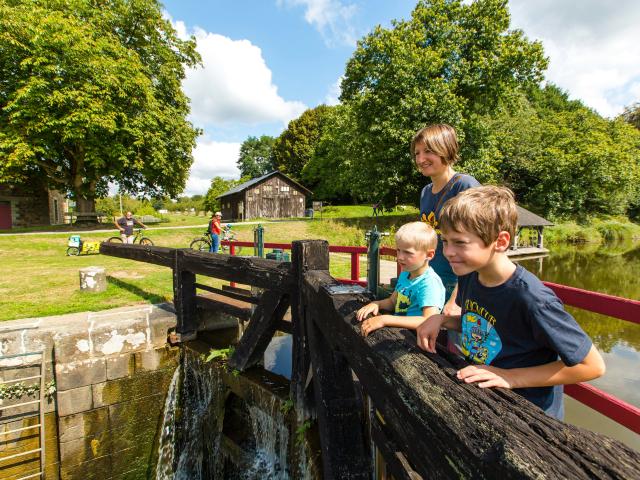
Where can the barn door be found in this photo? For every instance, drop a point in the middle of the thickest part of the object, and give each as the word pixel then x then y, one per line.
pixel 5 215
pixel 269 207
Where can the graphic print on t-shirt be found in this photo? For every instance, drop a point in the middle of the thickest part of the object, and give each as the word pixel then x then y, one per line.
pixel 480 340
pixel 403 303
pixel 431 221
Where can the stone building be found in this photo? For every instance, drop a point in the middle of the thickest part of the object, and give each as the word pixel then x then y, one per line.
pixel 26 206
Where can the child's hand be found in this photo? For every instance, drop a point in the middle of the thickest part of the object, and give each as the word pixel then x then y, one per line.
pixel 428 331
pixel 372 324
pixel 369 309
pixel 451 308
pixel 487 375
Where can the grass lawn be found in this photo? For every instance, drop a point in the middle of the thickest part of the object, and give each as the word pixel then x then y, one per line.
pixel 38 279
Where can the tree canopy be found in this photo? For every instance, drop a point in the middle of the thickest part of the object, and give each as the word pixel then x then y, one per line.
pixel 459 63
pixel 256 157
pixel 218 186
pixel 450 62
pixel 297 144
pixel 90 93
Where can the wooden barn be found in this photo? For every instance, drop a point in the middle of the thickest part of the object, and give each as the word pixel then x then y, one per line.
pixel 273 195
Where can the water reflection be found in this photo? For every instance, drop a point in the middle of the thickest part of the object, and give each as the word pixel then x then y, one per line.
pixel 277 356
pixel 613 269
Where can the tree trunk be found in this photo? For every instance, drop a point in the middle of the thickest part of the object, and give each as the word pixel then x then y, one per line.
pixel 85 211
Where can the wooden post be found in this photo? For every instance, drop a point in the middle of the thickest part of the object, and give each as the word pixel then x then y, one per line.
pixel 305 255
pixel 339 410
pixel 184 298
pixel 540 238
pixel 263 324
pixel 355 266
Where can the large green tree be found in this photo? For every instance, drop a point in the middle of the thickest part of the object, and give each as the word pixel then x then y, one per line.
pixel 451 62
pixel 328 172
pixel 631 114
pixel 256 157
pixel 218 186
pixel 563 159
pixel 297 144
pixel 90 92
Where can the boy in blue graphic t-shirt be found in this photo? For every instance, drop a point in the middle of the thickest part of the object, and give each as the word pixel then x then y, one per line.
pixel 419 292
pixel 515 330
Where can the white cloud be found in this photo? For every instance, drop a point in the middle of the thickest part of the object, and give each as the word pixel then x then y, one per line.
pixel 332 18
pixel 592 46
pixel 333 95
pixel 212 159
pixel 234 85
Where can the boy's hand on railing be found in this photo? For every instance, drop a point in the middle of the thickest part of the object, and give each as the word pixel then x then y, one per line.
pixel 369 309
pixel 428 332
pixel 372 324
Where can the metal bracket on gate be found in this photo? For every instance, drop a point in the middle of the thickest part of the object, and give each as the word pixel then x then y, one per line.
pixel 345 289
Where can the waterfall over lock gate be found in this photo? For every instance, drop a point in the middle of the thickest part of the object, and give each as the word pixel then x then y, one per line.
pixel 214 430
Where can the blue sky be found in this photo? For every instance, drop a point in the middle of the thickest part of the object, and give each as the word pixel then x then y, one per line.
pixel 266 61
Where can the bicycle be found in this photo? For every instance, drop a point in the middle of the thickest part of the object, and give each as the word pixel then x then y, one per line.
pixel 76 246
pixel 203 243
pixel 139 238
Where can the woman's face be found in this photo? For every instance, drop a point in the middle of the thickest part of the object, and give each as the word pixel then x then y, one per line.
pixel 428 163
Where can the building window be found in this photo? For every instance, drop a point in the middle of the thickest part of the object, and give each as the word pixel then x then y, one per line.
pixel 267 188
pixel 56 212
pixel 284 188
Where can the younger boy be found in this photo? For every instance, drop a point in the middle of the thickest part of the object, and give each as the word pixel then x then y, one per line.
pixel 419 292
pixel 514 328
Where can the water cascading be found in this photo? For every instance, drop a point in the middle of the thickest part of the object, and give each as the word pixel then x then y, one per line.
pixel 201 411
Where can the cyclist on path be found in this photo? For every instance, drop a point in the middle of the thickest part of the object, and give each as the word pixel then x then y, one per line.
pixel 125 225
pixel 214 230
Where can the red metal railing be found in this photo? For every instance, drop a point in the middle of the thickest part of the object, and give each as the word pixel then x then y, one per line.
pixel 612 407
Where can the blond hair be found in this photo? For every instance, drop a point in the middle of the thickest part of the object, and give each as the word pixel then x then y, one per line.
pixel 485 211
pixel 419 235
pixel 440 139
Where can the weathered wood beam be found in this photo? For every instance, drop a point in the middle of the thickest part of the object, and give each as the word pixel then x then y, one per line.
pixel 339 412
pixel 285 326
pixel 449 429
pixel 305 255
pixel 157 255
pixel 258 272
pixel 243 314
pixel 395 461
pixel 264 322
pixel 184 296
pixel 230 294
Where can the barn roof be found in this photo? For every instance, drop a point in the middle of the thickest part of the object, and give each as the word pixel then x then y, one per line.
pixel 254 181
pixel 530 219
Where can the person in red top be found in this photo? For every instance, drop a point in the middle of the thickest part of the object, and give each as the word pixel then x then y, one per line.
pixel 215 229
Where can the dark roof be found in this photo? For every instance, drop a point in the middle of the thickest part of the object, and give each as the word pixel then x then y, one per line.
pixel 530 219
pixel 254 181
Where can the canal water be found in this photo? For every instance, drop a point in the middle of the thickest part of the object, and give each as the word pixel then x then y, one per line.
pixel 613 269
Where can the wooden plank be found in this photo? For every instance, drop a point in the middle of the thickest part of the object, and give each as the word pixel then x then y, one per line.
pixel 263 324
pixel 149 254
pixel 230 294
pixel 305 255
pixel 285 326
pixel 450 429
pixel 184 295
pixel 339 411
pixel 269 274
pixel 243 314
pixel 395 461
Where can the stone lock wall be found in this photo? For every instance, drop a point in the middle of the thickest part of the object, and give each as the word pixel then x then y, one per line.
pixel 112 371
